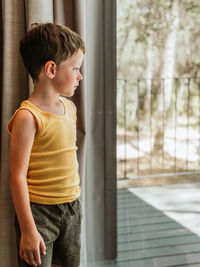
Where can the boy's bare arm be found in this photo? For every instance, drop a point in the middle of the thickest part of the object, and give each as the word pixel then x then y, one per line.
pixel 22 138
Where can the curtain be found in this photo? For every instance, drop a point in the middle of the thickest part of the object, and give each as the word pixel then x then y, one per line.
pixel 95 116
pixel 13 90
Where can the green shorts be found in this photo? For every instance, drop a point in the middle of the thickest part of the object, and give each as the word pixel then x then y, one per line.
pixel 60 227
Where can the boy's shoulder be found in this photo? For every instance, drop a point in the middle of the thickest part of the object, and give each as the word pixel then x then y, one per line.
pixel 23 119
pixel 25 114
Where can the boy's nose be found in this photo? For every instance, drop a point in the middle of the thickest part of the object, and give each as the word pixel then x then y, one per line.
pixel 80 77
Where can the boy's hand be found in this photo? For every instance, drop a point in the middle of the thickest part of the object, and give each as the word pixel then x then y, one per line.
pixel 30 246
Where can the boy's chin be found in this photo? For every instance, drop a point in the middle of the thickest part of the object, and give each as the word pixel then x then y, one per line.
pixel 69 94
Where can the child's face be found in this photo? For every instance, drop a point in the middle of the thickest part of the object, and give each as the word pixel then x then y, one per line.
pixel 68 75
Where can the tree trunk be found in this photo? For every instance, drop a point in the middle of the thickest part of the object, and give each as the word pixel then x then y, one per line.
pixel 167 74
pixel 149 71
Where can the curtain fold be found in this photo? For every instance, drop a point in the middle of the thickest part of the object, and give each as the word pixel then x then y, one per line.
pixel 14 89
pixel 64 13
pixel 38 11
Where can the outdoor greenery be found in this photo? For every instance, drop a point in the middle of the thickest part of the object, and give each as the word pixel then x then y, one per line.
pixel 143 28
pixel 158 70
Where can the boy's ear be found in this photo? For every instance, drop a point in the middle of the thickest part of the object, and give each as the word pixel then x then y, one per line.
pixel 50 69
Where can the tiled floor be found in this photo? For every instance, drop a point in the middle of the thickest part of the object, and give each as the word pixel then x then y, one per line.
pixel 158 226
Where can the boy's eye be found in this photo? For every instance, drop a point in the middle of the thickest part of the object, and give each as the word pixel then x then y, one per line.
pixel 76 68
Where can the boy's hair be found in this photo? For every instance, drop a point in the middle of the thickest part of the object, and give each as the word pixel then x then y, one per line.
pixel 46 42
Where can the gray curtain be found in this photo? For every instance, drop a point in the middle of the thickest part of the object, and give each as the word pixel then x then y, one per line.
pixel 13 90
pixel 95 101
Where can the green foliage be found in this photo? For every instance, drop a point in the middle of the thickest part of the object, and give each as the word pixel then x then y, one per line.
pixel 141 20
pixel 140 23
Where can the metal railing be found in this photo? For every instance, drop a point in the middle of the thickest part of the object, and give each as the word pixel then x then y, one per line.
pixel 158 127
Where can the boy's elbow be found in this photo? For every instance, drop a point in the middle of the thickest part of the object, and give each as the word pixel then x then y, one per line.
pixel 16 179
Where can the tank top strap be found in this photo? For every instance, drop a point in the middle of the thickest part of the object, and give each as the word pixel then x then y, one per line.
pixel 71 108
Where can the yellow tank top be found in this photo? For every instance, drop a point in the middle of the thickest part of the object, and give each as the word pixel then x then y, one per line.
pixel 53 167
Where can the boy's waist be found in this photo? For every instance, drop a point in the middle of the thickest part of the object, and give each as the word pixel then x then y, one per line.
pixel 54 190
pixel 52 198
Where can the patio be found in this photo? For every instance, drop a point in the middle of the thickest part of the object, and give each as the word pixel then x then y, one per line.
pixel 158 226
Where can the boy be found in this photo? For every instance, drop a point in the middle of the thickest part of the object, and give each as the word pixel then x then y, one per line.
pixel 44 179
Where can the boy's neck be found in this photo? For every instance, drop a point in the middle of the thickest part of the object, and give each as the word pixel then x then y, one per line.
pixel 44 94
